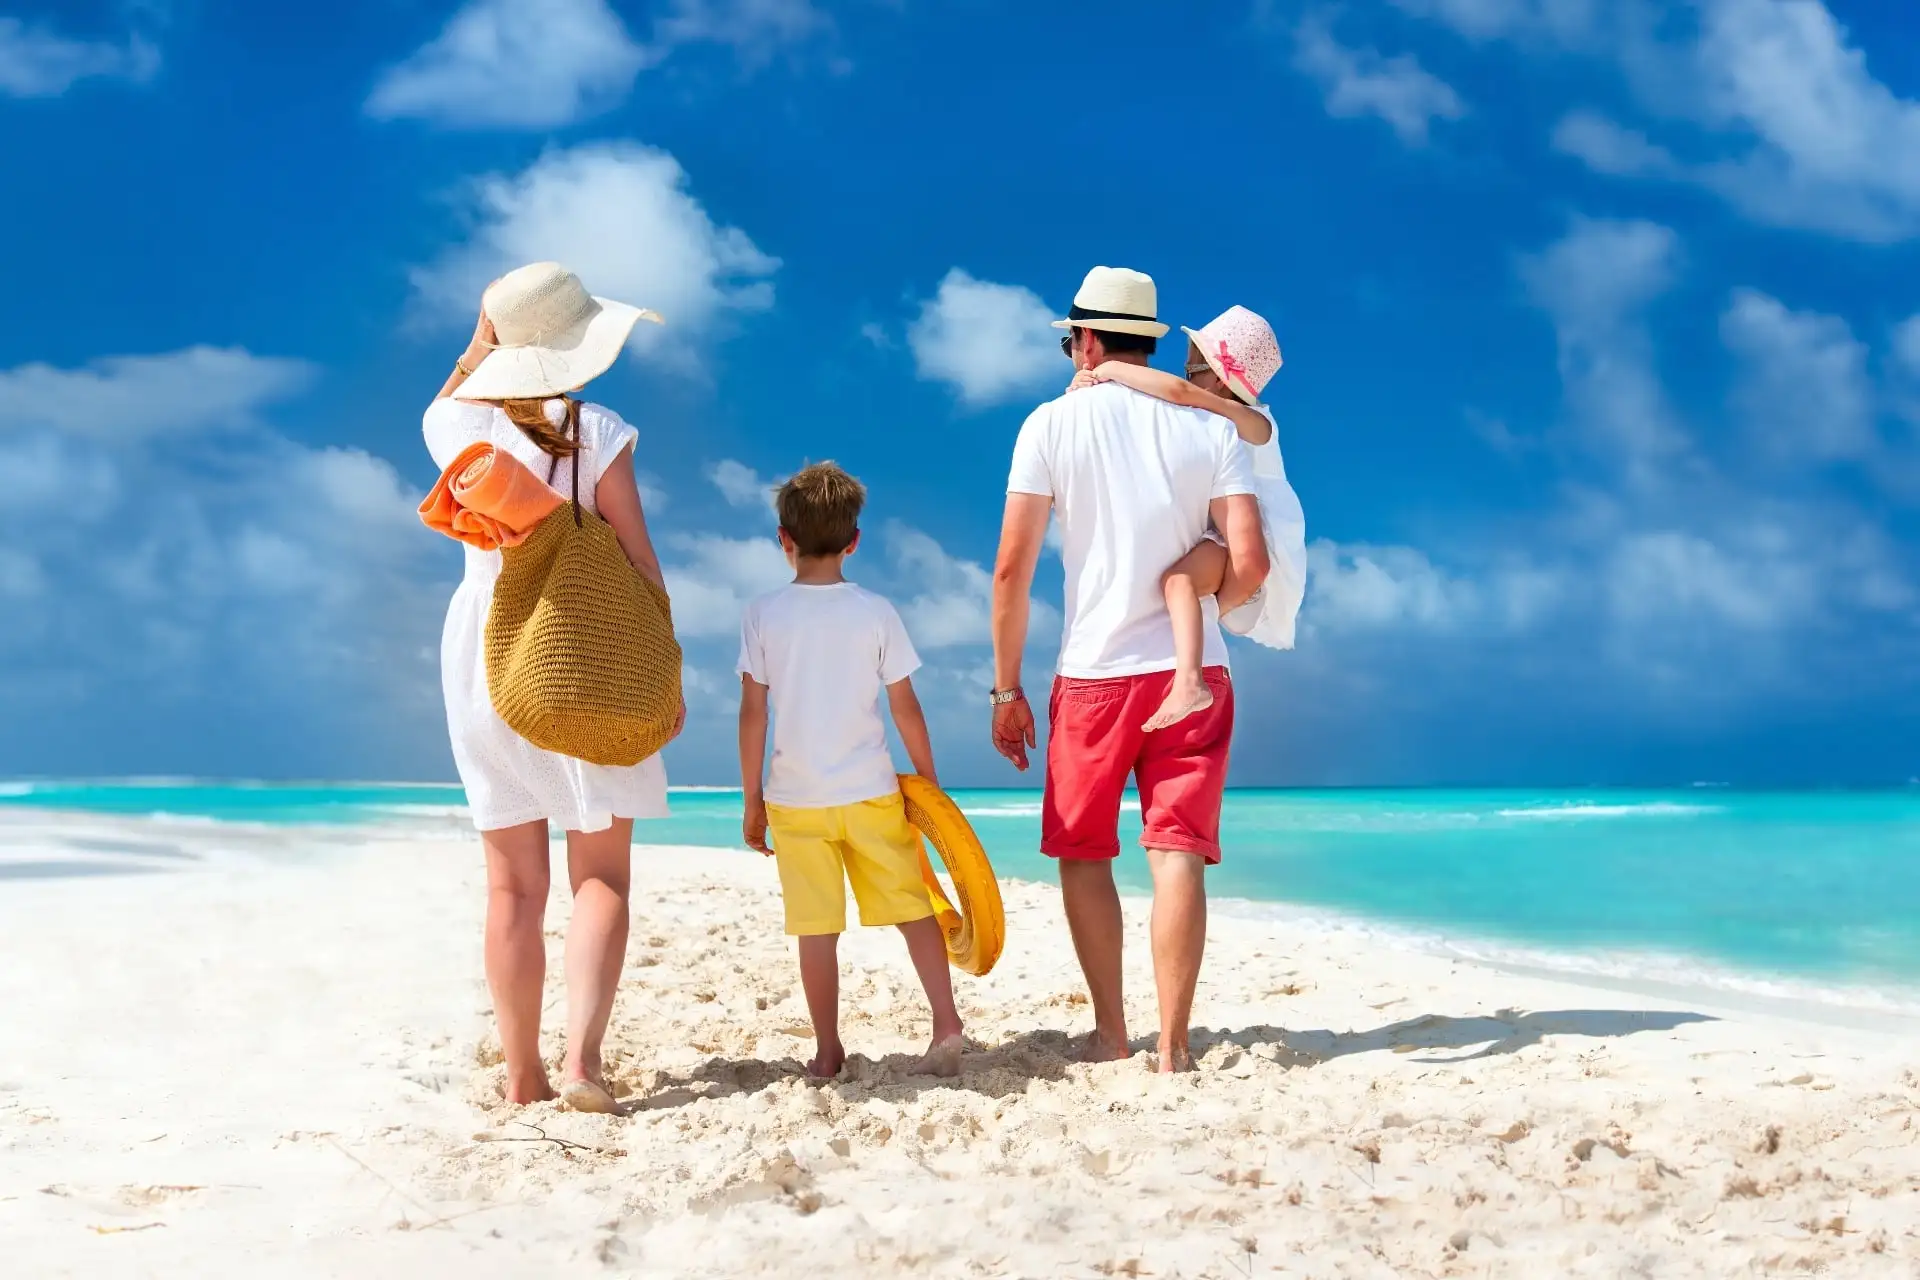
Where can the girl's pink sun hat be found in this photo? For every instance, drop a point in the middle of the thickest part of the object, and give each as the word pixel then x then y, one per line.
pixel 1240 348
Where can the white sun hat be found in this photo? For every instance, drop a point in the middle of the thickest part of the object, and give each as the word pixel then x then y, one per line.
pixel 1240 347
pixel 1117 300
pixel 551 335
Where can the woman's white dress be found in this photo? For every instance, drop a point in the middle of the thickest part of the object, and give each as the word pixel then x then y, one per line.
pixel 1270 616
pixel 508 780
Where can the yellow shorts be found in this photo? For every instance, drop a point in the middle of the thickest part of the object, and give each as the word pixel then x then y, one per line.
pixel 868 845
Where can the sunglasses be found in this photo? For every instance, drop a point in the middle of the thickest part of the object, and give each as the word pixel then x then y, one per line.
pixel 1066 344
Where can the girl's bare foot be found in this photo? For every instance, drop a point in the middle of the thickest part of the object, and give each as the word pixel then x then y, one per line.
pixel 533 1089
pixel 942 1059
pixel 1188 695
pixel 589 1095
pixel 827 1062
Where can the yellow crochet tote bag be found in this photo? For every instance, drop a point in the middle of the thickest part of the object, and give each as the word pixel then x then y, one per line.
pixel 581 656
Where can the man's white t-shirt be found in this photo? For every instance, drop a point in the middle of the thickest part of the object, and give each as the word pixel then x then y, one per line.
pixel 1131 478
pixel 825 653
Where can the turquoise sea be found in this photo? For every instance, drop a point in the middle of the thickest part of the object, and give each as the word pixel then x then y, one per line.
pixel 1806 886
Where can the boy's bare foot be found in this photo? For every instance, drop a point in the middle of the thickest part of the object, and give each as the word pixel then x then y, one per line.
pixel 826 1063
pixel 524 1092
pixel 1188 695
pixel 942 1059
pixel 590 1096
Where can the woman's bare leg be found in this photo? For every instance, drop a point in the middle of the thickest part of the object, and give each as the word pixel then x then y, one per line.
pixel 598 865
pixel 1198 573
pixel 517 879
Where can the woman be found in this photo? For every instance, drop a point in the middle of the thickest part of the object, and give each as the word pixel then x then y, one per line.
pixel 540 336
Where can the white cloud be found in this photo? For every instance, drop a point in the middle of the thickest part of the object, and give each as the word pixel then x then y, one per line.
pixel 1832 148
pixel 38 63
pixel 126 396
pixel 1557 21
pixel 1668 574
pixel 1357 587
pixel 1804 388
pixel 713 577
pixel 1360 82
pixel 521 64
pixel 990 342
pixel 542 64
pixel 952 600
pixel 1594 282
pixel 1779 112
pixel 755 29
pixel 1607 147
pixel 741 485
pixel 224 574
pixel 620 215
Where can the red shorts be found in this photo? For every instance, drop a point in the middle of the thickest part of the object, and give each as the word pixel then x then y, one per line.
pixel 1094 741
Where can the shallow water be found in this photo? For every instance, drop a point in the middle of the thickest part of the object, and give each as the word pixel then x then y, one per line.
pixel 1821 886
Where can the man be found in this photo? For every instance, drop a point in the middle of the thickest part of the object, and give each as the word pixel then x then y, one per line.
pixel 1134 482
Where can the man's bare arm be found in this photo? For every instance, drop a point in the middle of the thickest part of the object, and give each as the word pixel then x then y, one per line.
pixel 1022 531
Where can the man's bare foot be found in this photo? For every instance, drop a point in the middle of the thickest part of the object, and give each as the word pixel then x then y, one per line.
pixel 524 1092
pixel 942 1059
pixel 1101 1048
pixel 1188 695
pixel 826 1063
pixel 1175 1059
pixel 590 1096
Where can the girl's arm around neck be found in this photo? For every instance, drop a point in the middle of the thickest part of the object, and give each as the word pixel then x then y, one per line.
pixel 1250 423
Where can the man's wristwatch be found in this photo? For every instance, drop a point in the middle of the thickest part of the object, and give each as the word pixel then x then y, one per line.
pixel 1001 697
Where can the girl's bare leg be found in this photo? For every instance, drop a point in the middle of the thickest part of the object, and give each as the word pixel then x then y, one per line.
pixel 516 951
pixel 598 865
pixel 1198 573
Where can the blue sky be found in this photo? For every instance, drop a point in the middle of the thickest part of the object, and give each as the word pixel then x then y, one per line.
pixel 1602 326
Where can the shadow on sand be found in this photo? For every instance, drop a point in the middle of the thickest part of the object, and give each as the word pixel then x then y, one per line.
pixel 1009 1067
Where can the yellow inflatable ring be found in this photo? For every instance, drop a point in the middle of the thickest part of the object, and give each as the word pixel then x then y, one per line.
pixel 976 932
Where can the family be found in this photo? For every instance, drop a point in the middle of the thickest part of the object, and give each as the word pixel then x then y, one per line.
pixel 1174 518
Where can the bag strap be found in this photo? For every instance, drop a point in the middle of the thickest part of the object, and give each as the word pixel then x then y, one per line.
pixel 573 429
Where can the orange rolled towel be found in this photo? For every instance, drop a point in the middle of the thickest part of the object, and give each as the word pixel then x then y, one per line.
pixel 488 498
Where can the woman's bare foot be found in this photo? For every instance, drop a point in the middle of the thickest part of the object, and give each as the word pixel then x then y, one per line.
pixel 942 1058
pixel 533 1089
pixel 1188 695
pixel 827 1062
pixel 590 1096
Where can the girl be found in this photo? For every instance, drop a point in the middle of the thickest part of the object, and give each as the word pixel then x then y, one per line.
pixel 1228 365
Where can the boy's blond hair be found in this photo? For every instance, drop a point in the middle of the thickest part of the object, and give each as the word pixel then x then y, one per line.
pixel 819 508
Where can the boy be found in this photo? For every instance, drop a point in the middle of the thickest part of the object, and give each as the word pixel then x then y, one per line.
pixel 820 651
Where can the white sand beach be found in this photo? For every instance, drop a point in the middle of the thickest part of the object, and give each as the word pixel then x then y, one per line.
pixel 231 1056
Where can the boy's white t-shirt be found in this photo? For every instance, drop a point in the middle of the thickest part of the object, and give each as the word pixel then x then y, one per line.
pixel 1131 479
pixel 825 654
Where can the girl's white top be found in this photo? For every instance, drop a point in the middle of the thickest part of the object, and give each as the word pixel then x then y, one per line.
pixel 508 779
pixel 1272 613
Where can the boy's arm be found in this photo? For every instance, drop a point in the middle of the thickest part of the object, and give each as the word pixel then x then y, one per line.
pixel 753 759
pixel 911 721
pixel 1251 424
